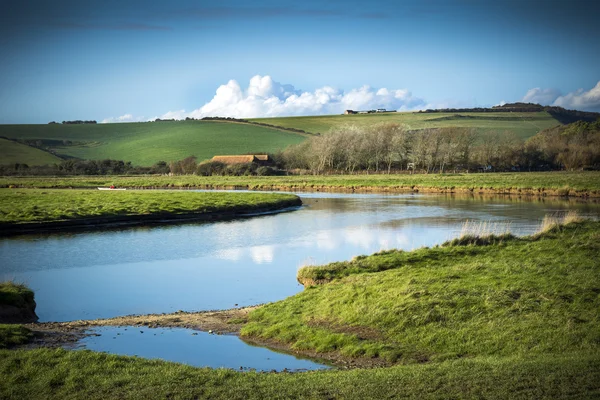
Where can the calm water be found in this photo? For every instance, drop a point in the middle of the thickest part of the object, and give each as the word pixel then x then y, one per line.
pixel 191 347
pixel 242 262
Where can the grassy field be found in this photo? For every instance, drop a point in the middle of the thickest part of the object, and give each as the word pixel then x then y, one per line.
pixel 19 206
pixel 536 182
pixel 516 319
pixel 149 142
pixel 524 125
pixel 61 374
pixel 13 152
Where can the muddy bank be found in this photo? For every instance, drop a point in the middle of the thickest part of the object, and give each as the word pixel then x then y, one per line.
pixel 116 221
pixel 65 334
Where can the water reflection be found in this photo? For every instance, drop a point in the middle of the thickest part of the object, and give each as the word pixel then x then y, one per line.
pixel 248 261
pixel 191 347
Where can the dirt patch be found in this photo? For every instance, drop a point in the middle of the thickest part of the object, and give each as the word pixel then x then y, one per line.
pixel 56 334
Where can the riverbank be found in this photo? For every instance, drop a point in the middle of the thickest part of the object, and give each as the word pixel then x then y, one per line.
pixel 32 210
pixel 572 184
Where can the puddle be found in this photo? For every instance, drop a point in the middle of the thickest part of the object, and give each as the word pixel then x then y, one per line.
pixel 196 348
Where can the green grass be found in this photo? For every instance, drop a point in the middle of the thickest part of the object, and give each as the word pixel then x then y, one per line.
pixel 149 142
pixel 20 296
pixel 61 374
pixel 13 335
pixel 524 125
pixel 15 294
pixel 26 205
pixel 13 152
pixel 522 297
pixel 537 182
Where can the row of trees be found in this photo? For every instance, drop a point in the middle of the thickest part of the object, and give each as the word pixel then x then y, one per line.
pixel 76 122
pixel 387 147
pixel 84 167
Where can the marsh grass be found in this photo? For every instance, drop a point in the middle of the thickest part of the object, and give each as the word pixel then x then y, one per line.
pixel 552 222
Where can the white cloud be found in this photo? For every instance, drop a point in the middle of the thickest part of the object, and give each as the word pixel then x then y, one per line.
pixel 265 97
pixel 581 100
pixel 585 100
pixel 541 96
pixel 123 118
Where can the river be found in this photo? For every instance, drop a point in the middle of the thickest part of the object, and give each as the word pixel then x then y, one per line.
pixel 221 265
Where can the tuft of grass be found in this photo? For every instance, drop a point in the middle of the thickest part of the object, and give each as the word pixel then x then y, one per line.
pixel 15 294
pixel 552 222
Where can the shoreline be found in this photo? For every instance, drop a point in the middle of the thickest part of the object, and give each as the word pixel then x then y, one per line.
pixel 117 221
pixel 218 322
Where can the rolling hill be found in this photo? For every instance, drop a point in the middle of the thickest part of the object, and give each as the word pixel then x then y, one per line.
pixel 144 143
pixel 12 152
pixel 523 124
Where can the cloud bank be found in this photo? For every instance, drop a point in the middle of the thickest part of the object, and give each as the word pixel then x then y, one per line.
pixel 265 97
pixel 585 100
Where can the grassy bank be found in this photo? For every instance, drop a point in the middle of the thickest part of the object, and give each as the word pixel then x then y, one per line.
pixel 59 374
pixel 25 206
pixel 16 303
pixel 521 297
pixel 535 183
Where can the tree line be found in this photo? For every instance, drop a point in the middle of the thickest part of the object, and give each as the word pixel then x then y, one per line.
pixel 392 147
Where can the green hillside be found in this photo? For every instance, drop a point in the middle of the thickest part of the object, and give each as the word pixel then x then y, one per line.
pixel 12 152
pixel 148 142
pixel 524 124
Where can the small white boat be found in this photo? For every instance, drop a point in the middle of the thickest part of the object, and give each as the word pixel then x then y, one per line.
pixel 107 188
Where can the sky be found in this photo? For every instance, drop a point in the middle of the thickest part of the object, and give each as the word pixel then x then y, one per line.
pixel 122 61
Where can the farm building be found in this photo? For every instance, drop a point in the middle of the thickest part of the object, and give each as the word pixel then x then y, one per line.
pixel 349 112
pixel 262 159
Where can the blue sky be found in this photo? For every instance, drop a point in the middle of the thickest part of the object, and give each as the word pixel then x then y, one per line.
pixel 139 59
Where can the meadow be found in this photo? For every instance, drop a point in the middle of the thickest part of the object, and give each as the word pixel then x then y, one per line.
pixel 538 183
pixel 148 142
pixel 524 125
pixel 19 206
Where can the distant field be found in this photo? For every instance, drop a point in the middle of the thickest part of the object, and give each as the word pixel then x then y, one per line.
pixel 524 125
pixel 12 152
pixel 540 183
pixel 148 142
